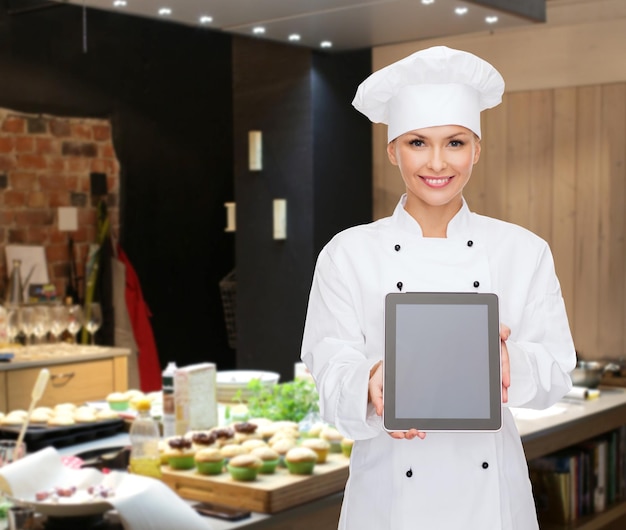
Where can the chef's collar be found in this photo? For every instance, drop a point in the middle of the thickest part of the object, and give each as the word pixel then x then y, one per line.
pixel 457 227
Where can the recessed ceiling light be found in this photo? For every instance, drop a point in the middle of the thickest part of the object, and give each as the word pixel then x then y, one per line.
pixel 491 20
pixel 204 19
pixel 164 11
pixel 259 30
pixel 428 2
pixel 460 10
pixel 294 37
pixel 326 44
pixel 119 3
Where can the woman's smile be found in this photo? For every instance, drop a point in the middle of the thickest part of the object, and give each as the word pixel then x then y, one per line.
pixel 436 182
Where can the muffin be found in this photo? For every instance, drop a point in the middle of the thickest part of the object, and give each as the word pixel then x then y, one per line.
pixel 65 408
pixel 300 460
pixel 107 414
pixel 209 461
pixel 251 444
pixel 321 448
pixel 61 420
pixel 282 446
pixel 232 450
pixel 269 457
pixel 333 437
pixel 244 467
pixel 180 453
pixel 346 446
pixel 118 401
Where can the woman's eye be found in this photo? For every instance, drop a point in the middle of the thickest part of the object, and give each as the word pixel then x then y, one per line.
pixel 456 143
pixel 417 143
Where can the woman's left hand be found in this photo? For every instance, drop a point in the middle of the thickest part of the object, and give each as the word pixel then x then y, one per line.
pixel 505 333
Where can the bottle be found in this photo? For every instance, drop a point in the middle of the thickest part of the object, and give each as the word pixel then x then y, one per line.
pixel 145 458
pixel 169 404
pixel 4 338
pixel 15 295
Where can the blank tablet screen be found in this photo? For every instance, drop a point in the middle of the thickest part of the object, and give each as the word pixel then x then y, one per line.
pixel 442 362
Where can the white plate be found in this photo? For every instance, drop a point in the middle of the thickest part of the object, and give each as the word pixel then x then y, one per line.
pixel 241 378
pixel 66 509
pixel 234 382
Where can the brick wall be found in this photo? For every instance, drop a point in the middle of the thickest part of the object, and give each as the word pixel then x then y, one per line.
pixel 47 162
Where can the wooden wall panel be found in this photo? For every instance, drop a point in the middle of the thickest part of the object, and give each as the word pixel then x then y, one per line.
pixel 588 143
pixel 563 237
pixel 554 161
pixel 612 314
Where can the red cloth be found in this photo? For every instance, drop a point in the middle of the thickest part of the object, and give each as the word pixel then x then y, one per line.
pixel 139 314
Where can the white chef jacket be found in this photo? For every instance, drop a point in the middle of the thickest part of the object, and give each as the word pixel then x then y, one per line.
pixel 450 481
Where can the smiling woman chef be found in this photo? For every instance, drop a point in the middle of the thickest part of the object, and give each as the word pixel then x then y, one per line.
pixel 431 102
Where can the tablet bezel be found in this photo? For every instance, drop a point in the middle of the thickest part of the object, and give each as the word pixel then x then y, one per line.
pixel 494 421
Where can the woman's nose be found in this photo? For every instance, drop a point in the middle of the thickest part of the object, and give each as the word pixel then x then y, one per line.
pixel 437 161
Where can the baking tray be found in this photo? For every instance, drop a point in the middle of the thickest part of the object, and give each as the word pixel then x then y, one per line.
pixel 40 436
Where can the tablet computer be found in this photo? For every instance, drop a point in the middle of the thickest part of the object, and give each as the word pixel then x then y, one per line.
pixel 441 366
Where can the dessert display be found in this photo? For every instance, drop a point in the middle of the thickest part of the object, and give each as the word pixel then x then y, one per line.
pixel 300 460
pixel 321 448
pixel 269 459
pixel 244 467
pixel 346 446
pixel 118 401
pixel 209 461
pixel 74 495
pixel 333 437
pixel 180 453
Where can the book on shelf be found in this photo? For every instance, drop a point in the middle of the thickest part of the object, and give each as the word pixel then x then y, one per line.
pixel 582 480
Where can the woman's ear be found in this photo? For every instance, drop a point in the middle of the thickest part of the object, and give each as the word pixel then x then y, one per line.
pixel 477 148
pixel 391 152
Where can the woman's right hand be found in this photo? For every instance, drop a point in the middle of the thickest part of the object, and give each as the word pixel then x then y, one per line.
pixel 375 396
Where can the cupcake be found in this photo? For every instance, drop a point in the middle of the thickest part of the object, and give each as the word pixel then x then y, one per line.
pixel 209 461
pixel 180 454
pixel 118 401
pixel 282 446
pixel 251 444
pixel 232 450
pixel 244 467
pixel 300 460
pixel 203 439
pixel 321 448
pixel 269 457
pixel 346 446
pixel 107 414
pixel 333 437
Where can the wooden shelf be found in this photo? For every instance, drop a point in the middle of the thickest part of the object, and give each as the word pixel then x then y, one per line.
pixel 593 522
pixel 585 421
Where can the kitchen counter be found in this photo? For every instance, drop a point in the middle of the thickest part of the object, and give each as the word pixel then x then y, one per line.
pixel 78 373
pixel 543 432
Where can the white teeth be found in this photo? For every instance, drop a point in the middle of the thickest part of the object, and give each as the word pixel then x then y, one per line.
pixel 437 182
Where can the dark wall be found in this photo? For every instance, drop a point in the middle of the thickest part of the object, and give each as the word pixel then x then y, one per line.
pixel 182 101
pixel 317 155
pixel 167 89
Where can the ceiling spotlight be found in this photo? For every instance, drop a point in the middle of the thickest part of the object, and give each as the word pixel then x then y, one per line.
pixel 428 2
pixel 119 3
pixel 491 20
pixel 259 30
pixel 294 37
pixel 460 10
pixel 164 11
pixel 205 19
pixel 326 44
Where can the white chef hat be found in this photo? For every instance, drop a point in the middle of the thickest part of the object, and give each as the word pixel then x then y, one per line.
pixel 435 86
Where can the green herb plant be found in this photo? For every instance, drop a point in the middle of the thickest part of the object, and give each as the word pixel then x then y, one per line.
pixel 291 401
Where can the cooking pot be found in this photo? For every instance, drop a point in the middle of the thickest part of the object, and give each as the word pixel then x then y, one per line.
pixel 589 373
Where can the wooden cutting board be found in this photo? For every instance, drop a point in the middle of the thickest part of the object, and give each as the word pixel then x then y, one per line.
pixel 268 493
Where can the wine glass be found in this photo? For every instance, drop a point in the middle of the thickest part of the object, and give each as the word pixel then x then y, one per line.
pixel 27 322
pixel 13 323
pixel 75 320
pixel 41 325
pixel 59 317
pixel 94 320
